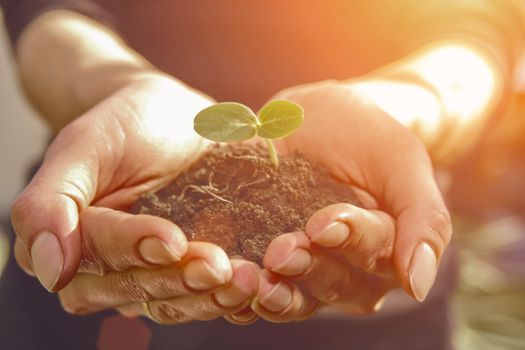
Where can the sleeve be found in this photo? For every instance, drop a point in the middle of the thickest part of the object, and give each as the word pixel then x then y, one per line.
pixel 498 25
pixel 19 13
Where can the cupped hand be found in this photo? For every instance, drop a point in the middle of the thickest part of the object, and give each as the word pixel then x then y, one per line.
pixel 350 257
pixel 201 285
pixel 136 140
pixel 127 266
pixel 346 267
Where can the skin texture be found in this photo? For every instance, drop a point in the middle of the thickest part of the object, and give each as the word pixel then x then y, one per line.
pixel 126 128
pixel 377 251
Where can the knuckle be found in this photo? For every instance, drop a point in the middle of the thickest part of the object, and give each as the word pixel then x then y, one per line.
pixel 72 305
pixel 167 283
pixel 168 313
pixel 76 193
pixel 441 228
pixel 357 223
pixel 375 260
pixel 369 263
pixel 90 263
pixel 355 239
pixel 127 312
pixel 384 220
pixel 335 290
pixel 131 288
pixel 91 260
pixel 20 212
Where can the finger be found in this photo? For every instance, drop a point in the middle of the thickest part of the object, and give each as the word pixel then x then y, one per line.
pixel 204 268
pixel 22 257
pixel 423 228
pixel 365 237
pixel 242 288
pixel 45 214
pixel 423 235
pixel 232 299
pixel 278 301
pixel 244 317
pixel 131 310
pixel 329 279
pixel 116 241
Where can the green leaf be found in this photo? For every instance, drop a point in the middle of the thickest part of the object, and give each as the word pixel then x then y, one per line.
pixel 226 122
pixel 279 118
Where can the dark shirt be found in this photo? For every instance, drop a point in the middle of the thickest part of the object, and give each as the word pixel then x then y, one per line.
pixel 247 50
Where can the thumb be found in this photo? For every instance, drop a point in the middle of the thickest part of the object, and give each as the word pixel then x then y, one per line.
pixel 423 233
pixel 423 225
pixel 45 215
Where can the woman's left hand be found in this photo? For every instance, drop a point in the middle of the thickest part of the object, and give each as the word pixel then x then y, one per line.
pixel 348 258
pixel 342 260
pixel 203 284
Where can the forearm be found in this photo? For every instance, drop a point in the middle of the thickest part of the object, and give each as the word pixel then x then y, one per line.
pixel 68 63
pixel 445 93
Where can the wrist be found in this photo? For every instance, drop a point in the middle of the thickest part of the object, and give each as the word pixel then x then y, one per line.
pixel 412 105
pixel 446 92
pixel 68 63
pixel 86 92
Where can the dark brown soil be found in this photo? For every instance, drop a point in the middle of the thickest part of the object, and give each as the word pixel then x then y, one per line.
pixel 234 197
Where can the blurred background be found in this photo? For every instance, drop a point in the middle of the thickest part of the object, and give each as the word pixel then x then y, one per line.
pixel 487 196
pixel 22 134
pixel 22 138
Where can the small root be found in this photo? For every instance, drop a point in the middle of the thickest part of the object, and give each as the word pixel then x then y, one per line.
pixel 251 183
pixel 212 186
pixel 259 159
pixel 216 196
pixel 202 189
pixel 183 193
pixel 223 190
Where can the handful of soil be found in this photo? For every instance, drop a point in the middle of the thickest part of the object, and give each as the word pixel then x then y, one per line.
pixel 234 197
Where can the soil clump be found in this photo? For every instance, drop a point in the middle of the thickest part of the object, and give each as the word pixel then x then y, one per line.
pixel 234 197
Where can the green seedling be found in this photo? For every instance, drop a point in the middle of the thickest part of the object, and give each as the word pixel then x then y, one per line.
pixel 234 122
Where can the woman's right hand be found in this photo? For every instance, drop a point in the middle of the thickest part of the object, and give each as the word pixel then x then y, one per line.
pixel 135 141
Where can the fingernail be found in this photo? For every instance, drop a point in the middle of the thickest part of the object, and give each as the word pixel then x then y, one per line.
pixel 243 286
pixel 47 259
pixel 232 296
pixel 199 275
pixel 333 235
pixel 297 263
pixel 157 252
pixel 379 304
pixel 422 271
pixel 275 298
pixel 245 316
